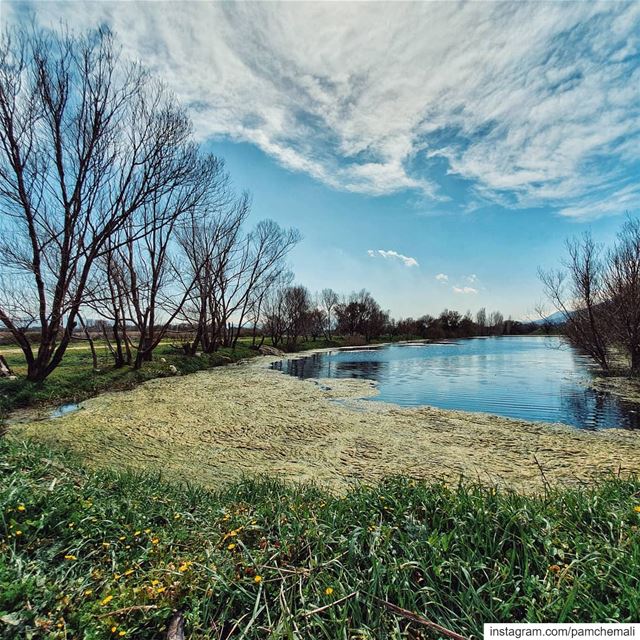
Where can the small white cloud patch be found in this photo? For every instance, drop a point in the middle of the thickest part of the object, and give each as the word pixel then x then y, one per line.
pixel 465 290
pixel 393 255
pixel 442 277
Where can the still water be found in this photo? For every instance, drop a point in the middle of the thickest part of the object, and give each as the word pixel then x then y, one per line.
pixel 532 378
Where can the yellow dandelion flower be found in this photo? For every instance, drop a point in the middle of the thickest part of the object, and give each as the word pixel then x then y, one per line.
pixel 70 557
pixel 147 530
pixel 114 629
pixel 258 579
pixel 231 546
pixel 136 533
pixel 88 592
pixel 18 532
pixel 177 516
pixel 122 538
pixel 155 582
pixel 155 540
pixel 106 545
pixel 106 600
pixel 21 507
pixel 122 634
pixel 328 591
pixel 637 508
pixel 160 590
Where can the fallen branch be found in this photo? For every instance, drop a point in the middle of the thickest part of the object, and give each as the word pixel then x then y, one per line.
pixel 306 614
pixel 414 617
pixel 175 628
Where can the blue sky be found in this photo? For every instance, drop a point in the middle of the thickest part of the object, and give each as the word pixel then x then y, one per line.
pixel 434 153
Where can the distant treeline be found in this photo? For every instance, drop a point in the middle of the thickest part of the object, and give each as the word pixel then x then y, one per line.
pixel 290 313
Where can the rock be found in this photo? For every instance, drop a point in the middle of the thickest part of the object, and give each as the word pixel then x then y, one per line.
pixel 266 350
pixel 173 369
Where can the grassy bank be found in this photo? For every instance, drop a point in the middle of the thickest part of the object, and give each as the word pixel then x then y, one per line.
pixel 108 554
pixel 75 379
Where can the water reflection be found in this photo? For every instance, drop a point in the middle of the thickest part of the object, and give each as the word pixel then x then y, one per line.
pixel 533 378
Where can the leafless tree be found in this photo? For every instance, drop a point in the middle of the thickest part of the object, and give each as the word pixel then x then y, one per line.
pixel 252 262
pixel 86 141
pixel 328 301
pixel 622 291
pixel 578 292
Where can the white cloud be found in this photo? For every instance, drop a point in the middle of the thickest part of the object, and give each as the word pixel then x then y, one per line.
pixel 534 104
pixel 465 290
pixel 442 277
pixel 472 278
pixel 393 255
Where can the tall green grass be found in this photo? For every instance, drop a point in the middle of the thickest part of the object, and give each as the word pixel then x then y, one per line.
pixel 87 554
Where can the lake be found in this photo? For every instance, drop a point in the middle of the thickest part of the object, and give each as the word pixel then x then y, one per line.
pixel 528 377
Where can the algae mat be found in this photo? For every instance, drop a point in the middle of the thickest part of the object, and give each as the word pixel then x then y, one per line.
pixel 218 425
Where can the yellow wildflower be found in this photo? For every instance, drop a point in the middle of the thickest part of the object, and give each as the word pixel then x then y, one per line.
pixel 160 590
pixel 155 582
pixel 114 629
pixel 122 538
pixel 21 507
pixel 231 546
pixel 106 600
pixel 155 541
pixel 88 592
pixel 258 579
pixel 147 530
pixel 136 533
pixel 106 545
pixel 70 557
pixel 18 532
pixel 636 508
pixel 122 634
pixel 328 591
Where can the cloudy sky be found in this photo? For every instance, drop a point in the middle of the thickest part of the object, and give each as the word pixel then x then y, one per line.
pixel 436 153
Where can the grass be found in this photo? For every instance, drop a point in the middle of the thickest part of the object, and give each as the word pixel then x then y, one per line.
pixel 107 555
pixel 75 380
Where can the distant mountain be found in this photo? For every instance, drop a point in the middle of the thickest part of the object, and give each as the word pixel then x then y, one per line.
pixel 554 318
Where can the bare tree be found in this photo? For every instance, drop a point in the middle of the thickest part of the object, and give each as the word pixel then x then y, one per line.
pixel 85 141
pixel 622 291
pixel 329 299
pixel 577 291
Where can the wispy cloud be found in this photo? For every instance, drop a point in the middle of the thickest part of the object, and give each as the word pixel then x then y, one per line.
pixel 393 255
pixel 465 290
pixel 442 277
pixel 532 104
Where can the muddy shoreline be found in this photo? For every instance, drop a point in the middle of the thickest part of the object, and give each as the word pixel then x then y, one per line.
pixel 246 419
